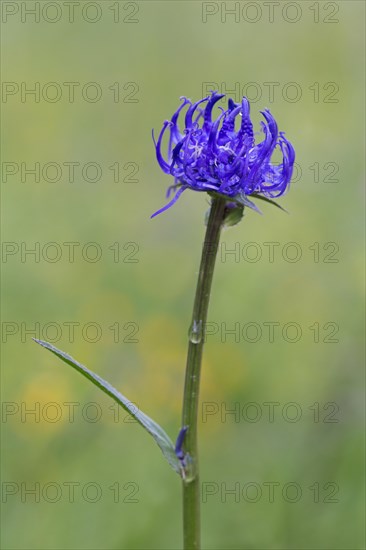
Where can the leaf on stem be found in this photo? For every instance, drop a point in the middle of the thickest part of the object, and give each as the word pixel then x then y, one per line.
pixel 270 201
pixel 156 431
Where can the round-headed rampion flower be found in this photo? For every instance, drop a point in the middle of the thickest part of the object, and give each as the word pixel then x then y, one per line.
pixel 220 156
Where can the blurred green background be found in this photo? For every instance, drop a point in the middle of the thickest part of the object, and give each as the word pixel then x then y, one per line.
pixel 311 450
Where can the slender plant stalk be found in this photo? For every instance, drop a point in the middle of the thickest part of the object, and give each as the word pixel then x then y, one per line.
pixel 191 484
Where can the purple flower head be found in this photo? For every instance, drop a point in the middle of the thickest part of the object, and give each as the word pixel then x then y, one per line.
pixel 220 156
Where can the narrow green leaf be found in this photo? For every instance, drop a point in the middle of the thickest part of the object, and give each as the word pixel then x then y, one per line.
pixel 156 431
pixel 270 201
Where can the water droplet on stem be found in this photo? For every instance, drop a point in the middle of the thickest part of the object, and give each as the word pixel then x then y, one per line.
pixel 196 332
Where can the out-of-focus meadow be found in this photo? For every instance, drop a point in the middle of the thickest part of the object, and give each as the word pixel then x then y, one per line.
pixel 292 452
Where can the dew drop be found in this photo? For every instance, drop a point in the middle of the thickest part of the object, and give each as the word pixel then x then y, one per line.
pixel 196 332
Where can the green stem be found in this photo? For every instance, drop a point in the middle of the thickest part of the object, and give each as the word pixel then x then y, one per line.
pixel 191 483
